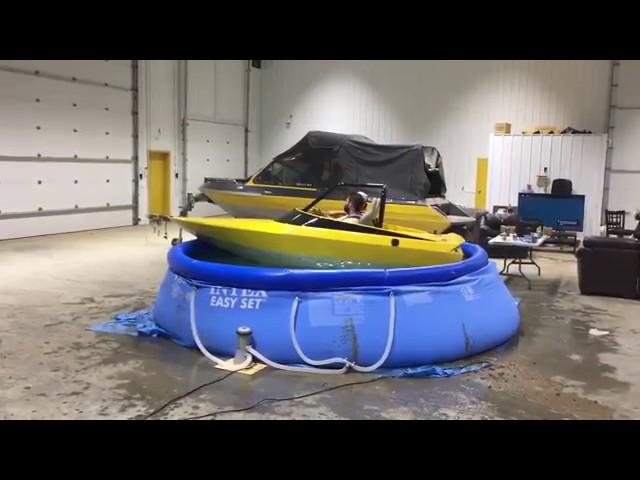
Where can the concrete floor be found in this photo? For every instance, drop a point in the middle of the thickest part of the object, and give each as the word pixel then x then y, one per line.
pixel 52 367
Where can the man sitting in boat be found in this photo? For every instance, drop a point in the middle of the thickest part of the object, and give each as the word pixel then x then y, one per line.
pixel 356 209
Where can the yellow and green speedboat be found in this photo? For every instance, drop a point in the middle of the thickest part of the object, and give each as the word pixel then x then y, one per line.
pixel 413 174
pixel 307 238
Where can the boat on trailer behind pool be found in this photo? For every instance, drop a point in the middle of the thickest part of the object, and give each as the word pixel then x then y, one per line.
pixel 413 173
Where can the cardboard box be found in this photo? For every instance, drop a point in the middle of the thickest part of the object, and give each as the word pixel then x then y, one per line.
pixel 502 128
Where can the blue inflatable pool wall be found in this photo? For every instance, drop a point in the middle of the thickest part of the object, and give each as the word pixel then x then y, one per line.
pixel 436 314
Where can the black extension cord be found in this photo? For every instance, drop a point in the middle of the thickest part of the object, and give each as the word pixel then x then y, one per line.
pixel 186 394
pixel 283 399
pixel 254 405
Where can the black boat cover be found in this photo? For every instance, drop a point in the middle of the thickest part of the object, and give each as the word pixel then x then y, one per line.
pixel 321 159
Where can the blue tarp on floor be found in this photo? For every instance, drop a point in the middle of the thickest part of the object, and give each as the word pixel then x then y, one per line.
pixel 140 323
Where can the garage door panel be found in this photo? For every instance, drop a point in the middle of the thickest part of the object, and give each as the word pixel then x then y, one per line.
pixel 56 142
pixel 89 141
pixel 30 186
pixel 229 91
pixel 113 72
pixel 628 77
pixel 48 93
pixel 29 227
pixel 213 150
pixel 112 133
pixel 67 120
pixel 44 121
pixel 201 85
pixel 626 140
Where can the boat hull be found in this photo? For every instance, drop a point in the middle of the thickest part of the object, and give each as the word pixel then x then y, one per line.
pixel 268 242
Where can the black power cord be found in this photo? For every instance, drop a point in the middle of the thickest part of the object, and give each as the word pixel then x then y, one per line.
pixel 256 404
pixel 186 394
pixel 284 399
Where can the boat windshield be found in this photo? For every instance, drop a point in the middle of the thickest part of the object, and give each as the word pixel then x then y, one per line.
pixel 313 219
pixel 300 170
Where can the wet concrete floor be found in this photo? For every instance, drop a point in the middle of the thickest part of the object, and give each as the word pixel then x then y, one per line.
pixel 51 367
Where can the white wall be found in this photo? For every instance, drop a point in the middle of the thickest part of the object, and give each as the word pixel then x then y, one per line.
pixel 624 173
pixel 451 105
pixel 159 124
pixel 215 97
pixel 515 161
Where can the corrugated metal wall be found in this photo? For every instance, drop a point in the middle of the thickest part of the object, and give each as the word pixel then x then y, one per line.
pixel 515 161
pixel 451 105
pixel 624 173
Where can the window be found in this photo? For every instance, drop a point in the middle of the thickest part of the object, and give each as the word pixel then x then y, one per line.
pixel 298 170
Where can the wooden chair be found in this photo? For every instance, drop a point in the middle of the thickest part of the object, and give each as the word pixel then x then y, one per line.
pixel 614 222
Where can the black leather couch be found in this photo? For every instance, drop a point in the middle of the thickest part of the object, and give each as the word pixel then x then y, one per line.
pixel 609 267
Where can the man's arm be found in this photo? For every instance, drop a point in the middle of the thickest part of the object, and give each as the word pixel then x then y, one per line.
pixel 367 218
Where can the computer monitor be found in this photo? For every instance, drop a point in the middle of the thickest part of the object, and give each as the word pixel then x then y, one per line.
pixel 560 212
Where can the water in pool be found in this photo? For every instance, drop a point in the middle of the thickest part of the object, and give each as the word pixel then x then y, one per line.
pixel 210 253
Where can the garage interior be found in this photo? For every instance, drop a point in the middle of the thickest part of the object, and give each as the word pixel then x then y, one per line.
pixel 96 154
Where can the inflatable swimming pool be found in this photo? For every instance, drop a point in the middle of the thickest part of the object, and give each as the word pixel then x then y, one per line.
pixel 364 318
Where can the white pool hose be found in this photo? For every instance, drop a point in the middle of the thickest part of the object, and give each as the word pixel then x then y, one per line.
pixel 346 362
pixel 296 345
pixel 252 352
pixel 201 347
pixel 291 368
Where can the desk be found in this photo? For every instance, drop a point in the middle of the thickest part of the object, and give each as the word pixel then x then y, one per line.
pixel 520 252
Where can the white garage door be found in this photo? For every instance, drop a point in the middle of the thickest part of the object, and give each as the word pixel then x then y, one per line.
pixel 66 146
pixel 215 132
